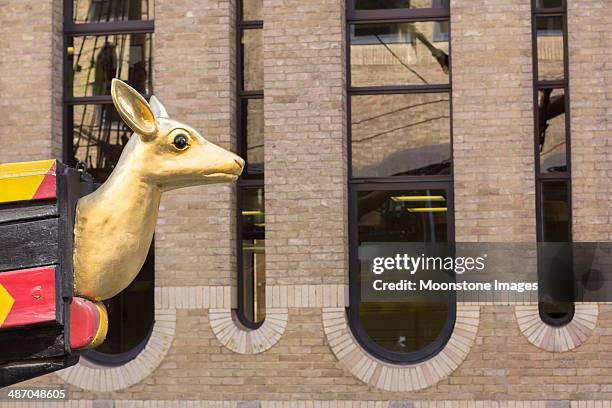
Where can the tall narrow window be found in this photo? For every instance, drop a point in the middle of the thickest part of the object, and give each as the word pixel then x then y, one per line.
pixel 106 39
pixel 552 160
pixel 251 208
pixel 400 173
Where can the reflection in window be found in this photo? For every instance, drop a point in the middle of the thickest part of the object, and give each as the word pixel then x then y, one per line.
pixel 399 53
pixel 552 133
pixel 550 50
pixel 549 3
pixel 400 134
pixel 553 181
pixel 253 128
pixel 97 59
pixel 99 136
pixel 399 104
pixel 251 219
pixel 252 53
pixel 396 4
pixel 100 11
pixel 402 216
pixel 555 212
pixel 253 254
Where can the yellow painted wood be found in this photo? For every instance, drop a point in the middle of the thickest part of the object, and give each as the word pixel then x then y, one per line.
pixel 6 304
pixel 20 181
pixel 22 169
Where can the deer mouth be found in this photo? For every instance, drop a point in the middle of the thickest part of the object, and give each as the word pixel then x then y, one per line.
pixel 230 176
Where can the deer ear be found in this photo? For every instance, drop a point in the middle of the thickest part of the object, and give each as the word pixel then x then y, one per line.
pixel 158 109
pixel 134 109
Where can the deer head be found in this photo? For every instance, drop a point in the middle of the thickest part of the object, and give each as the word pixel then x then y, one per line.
pixel 171 154
pixel 115 224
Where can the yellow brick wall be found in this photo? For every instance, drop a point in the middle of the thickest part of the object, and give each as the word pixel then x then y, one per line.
pixel 305 152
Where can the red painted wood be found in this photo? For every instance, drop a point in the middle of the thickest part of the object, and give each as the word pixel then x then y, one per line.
pixel 47 188
pixel 34 293
pixel 84 322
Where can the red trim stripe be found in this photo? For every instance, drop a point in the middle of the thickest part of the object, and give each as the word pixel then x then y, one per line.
pixel 47 188
pixel 33 291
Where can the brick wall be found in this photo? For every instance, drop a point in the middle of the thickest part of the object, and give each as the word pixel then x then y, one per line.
pixel 192 63
pixel 591 118
pixel 29 105
pixel 306 183
pixel 493 121
pixel 304 142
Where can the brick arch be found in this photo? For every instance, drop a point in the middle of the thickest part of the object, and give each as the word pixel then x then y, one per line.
pixel 557 339
pixel 395 377
pixel 242 340
pixel 93 377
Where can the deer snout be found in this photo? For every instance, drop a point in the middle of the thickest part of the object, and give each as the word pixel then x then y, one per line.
pixel 239 161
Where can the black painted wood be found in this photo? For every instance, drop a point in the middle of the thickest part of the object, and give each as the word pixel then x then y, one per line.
pixel 32 342
pixel 29 211
pixel 15 372
pixel 37 234
pixel 29 244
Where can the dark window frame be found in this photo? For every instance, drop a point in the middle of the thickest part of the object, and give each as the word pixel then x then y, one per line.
pixel 543 178
pixel 247 180
pixel 356 184
pixel 71 30
pixel 354 317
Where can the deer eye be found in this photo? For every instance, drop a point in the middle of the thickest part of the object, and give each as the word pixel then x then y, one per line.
pixel 180 141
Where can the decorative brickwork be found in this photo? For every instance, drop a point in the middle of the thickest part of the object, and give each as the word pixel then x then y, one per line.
pixel 245 341
pixel 557 339
pixel 392 377
pixel 93 377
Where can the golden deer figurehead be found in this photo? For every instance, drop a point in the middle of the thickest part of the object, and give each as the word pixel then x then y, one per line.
pixel 114 225
pixel 174 154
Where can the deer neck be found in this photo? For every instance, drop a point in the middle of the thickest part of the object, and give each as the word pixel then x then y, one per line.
pixel 128 191
pixel 114 227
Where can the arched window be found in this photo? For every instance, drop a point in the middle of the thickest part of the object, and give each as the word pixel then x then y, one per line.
pixel 400 173
pixel 106 39
pixel 251 209
pixel 552 161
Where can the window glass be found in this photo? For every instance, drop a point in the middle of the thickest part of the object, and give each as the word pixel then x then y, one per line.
pixel 400 135
pixel 552 136
pixel 252 47
pixel 97 59
pixel 253 254
pixel 555 211
pixel 98 137
pixel 550 48
pixel 402 216
pixel 99 11
pixel 399 53
pixel 396 4
pixel 549 3
pixel 253 129
pixel 252 10
pixel 557 311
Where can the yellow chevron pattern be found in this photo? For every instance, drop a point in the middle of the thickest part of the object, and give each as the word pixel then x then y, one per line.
pixel 21 181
